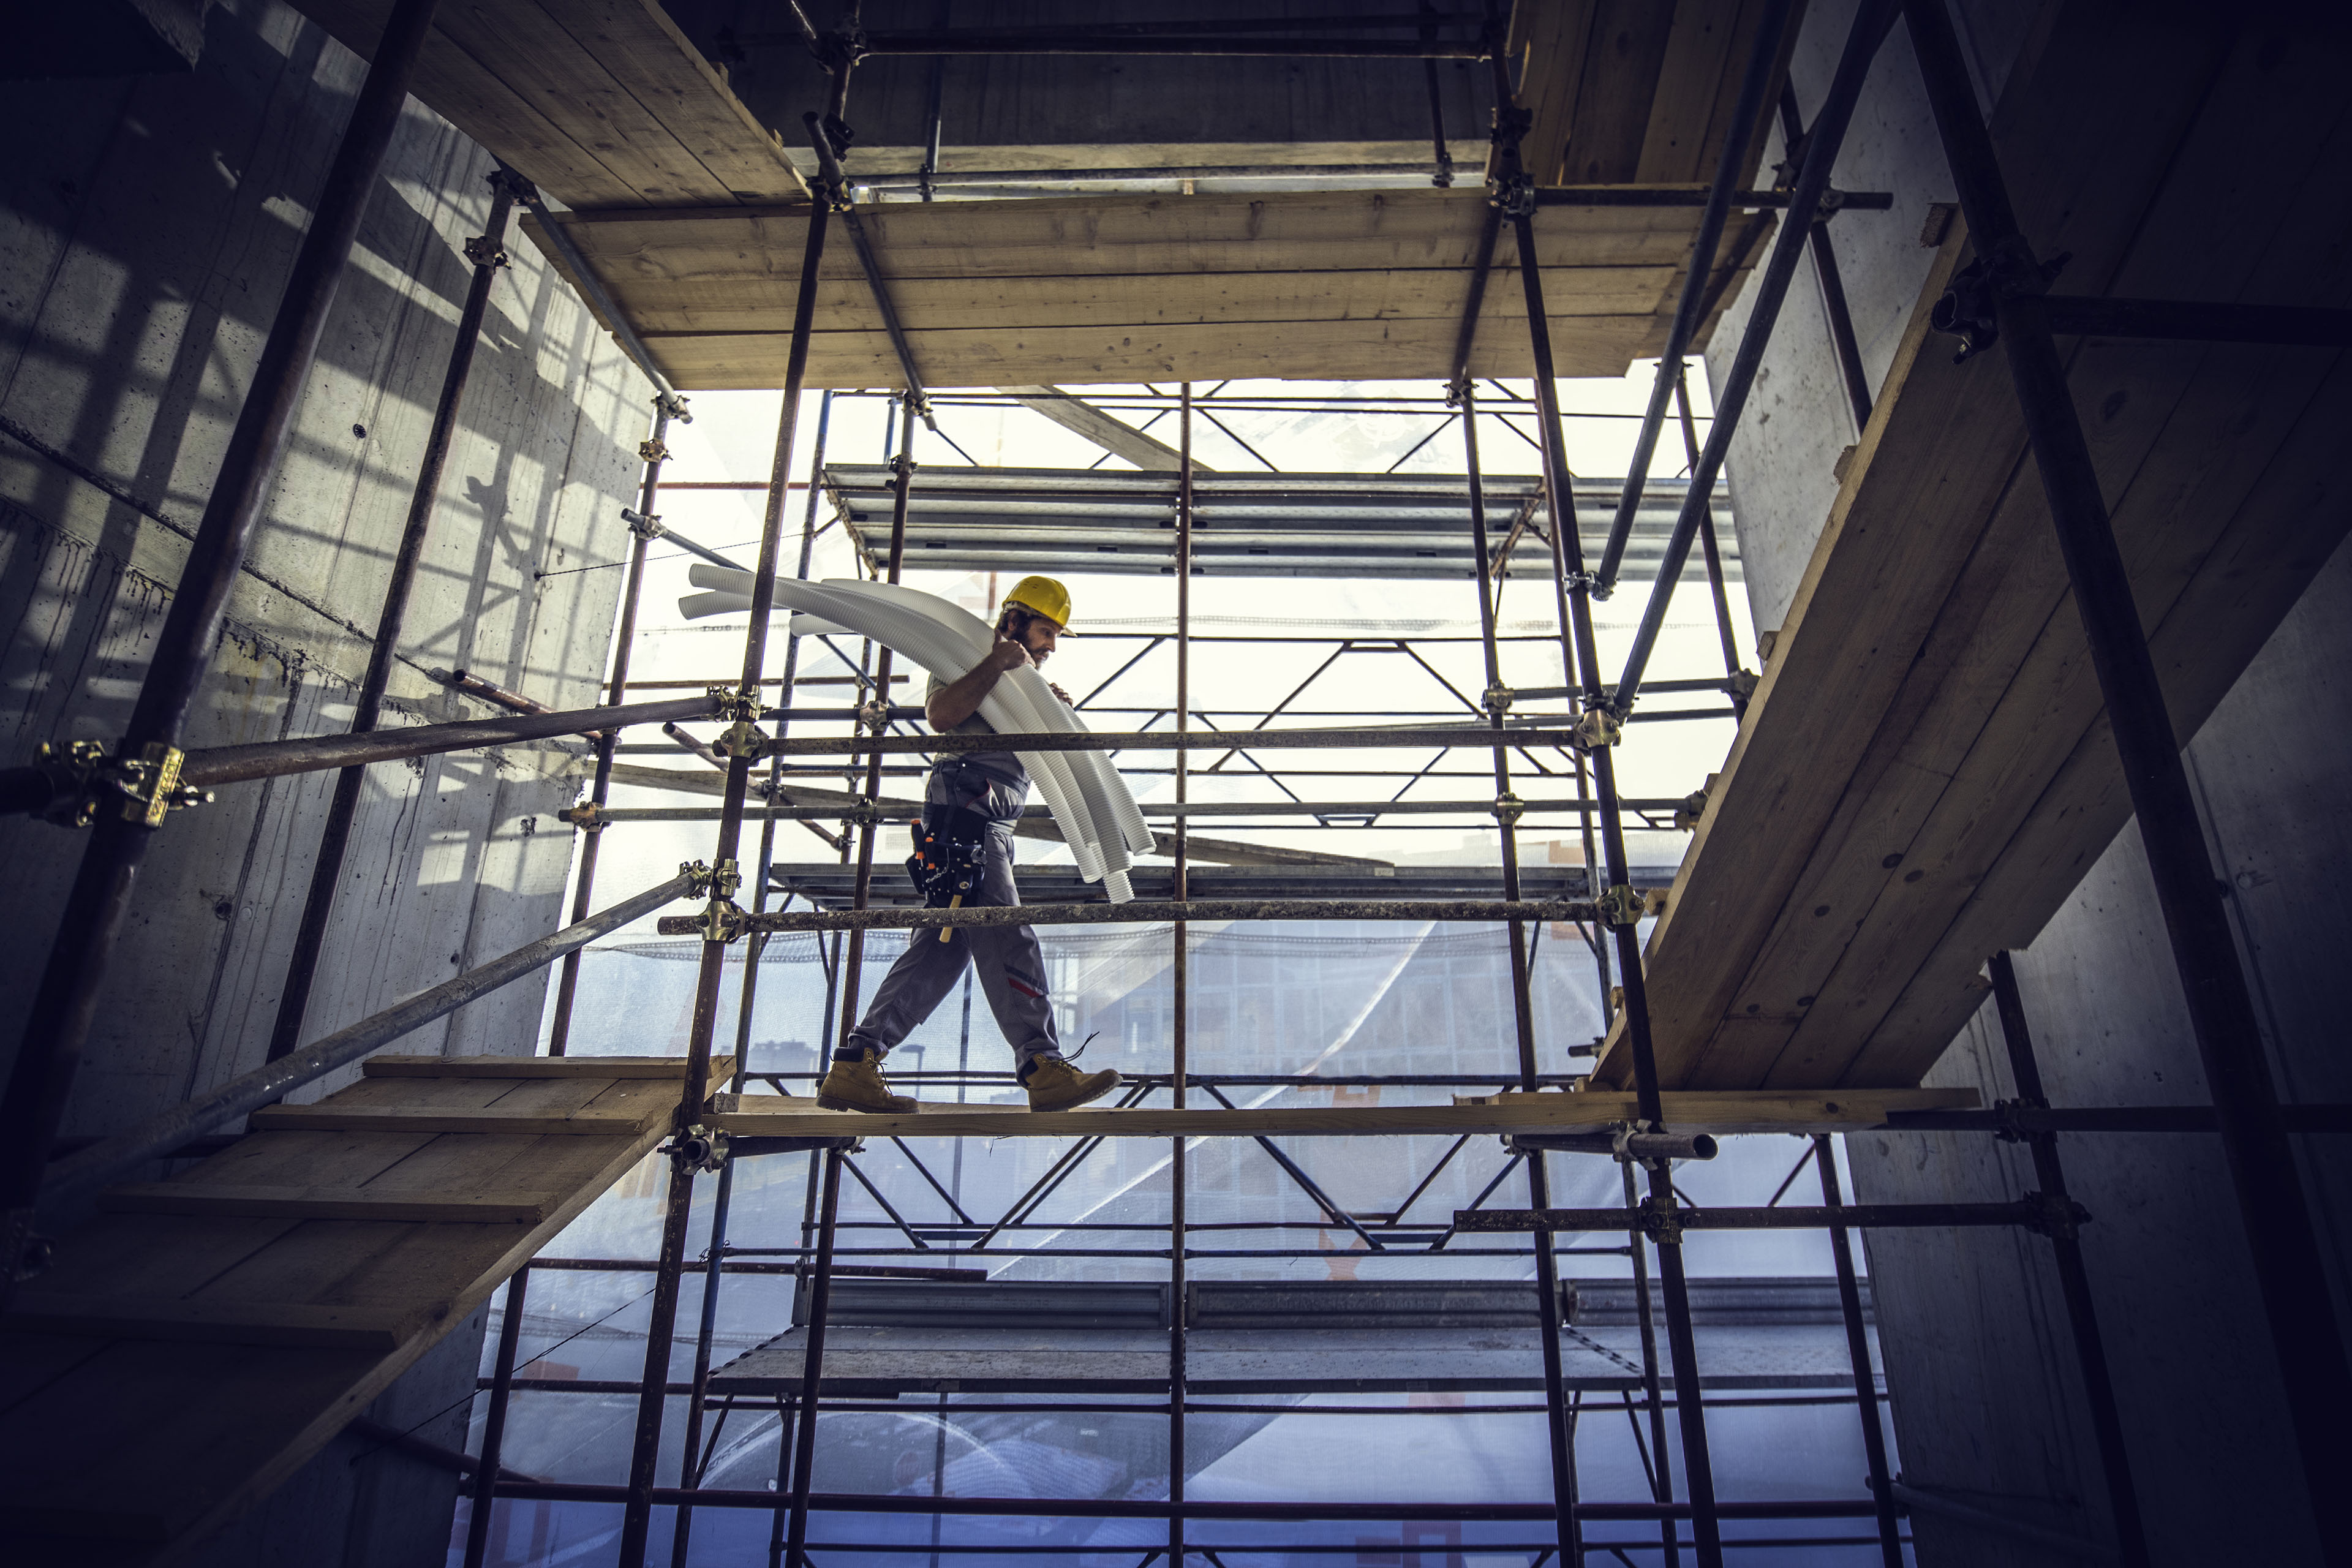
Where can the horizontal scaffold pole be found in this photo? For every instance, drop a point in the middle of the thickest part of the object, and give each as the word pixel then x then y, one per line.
pixel 792 806
pixel 1140 913
pixel 270 759
pixel 1365 738
pixel 2031 1213
pixel 1715 1111
pixel 78 1174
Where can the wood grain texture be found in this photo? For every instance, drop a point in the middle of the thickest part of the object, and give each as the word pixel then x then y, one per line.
pixel 1925 773
pixel 1754 1112
pixel 671 1068
pixel 315 1265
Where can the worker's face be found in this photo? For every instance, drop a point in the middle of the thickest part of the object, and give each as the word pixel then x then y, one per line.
pixel 1038 636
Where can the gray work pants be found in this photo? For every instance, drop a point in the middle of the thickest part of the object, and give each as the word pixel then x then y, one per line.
pixel 1012 973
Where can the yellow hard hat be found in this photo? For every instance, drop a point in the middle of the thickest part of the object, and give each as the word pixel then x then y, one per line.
pixel 1042 595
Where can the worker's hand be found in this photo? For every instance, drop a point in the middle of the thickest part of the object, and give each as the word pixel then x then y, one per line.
pixel 1062 695
pixel 1007 655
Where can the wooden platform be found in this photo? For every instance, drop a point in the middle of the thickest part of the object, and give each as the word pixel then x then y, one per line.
pixel 1545 1111
pixel 1090 290
pixel 601 103
pixel 1925 773
pixel 314 1261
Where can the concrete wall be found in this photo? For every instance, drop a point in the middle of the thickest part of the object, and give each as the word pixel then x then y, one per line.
pixel 146 226
pixel 1979 1355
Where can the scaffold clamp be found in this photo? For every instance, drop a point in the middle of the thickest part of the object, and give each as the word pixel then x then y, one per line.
pixel 864 813
pixel 2059 1217
pixel 699 1148
pixel 1497 698
pixel 646 526
pixel 1621 906
pixel 1514 193
pixel 1661 1220
pixel 739 704
pixel 875 714
pixel 673 404
pixel 653 449
pixel 483 251
pixel 1508 808
pixel 587 816
pixel 81 775
pixel 1970 309
pixel 1594 728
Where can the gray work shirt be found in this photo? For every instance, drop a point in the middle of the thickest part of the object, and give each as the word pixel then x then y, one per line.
pixel 991 783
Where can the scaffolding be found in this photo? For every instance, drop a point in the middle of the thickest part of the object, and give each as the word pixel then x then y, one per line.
pixel 1645 1130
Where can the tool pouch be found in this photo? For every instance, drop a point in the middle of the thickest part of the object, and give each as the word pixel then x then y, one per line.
pixel 951 854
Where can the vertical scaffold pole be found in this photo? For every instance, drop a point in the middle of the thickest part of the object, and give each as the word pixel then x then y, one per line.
pixel 2279 1238
pixel 637 1516
pixel 667 406
pixel 1707 539
pixel 1180 974
pixel 1662 1473
pixel 65 1002
pixel 722 1202
pixel 1857 1345
pixel 494 1420
pixel 2073 1278
pixel 488 255
pixel 1558 1427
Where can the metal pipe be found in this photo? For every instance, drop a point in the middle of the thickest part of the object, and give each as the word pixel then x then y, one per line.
pixel 1839 320
pixel 2073 1278
pixel 1657 1217
pixel 636 1519
pixel 1582 656
pixel 860 917
pixel 494 1421
pixel 1414 736
pixel 275 759
pixel 489 254
pixel 667 406
pixel 1180 976
pixel 1652 1395
pixel 1822 145
pixel 2297 1299
pixel 1857 1346
pixel 949 42
pixel 2199 321
pixel 77 1176
pixel 837 184
pixel 65 1002
pixel 820 1287
pixel 1731 670
pixel 1754 82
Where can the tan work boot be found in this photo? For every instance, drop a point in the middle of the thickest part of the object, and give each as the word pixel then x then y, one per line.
pixel 860 1085
pixel 1055 1085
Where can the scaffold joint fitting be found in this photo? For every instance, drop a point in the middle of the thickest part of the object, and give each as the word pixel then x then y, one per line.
pixel 741 738
pixel 646 526
pixel 740 704
pixel 1508 808
pixel 2057 1216
pixel 672 404
pixel 483 251
pixel 1693 808
pixel 1620 906
pixel 1497 698
pixel 1970 309
pixel 587 816
pixel 1661 1220
pixel 1594 728
pixel 1741 684
pixel 875 714
pixel 699 1148
pixel 864 813
pixel 653 449
pixel 1512 194
pixel 82 775
pixel 721 921
pixel 1457 392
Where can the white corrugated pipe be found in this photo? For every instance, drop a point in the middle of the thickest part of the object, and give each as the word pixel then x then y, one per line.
pixel 1090 802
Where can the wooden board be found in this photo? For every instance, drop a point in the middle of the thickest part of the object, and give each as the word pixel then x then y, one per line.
pixel 671 1068
pixel 314 1266
pixel 1110 289
pixel 598 103
pixel 1624 90
pixel 1925 774
pixel 1753 1113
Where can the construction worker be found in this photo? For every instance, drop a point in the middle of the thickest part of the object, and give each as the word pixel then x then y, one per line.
pixel 969 805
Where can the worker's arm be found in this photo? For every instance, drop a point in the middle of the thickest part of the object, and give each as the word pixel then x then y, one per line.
pixel 958 700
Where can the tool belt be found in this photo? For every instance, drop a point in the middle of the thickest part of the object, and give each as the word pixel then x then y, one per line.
pixel 950 856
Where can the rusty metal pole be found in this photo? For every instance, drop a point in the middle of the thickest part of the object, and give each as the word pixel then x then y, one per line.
pixel 494 1422
pixel 667 406
pixel 65 1003
pixel 488 253
pixel 638 1516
